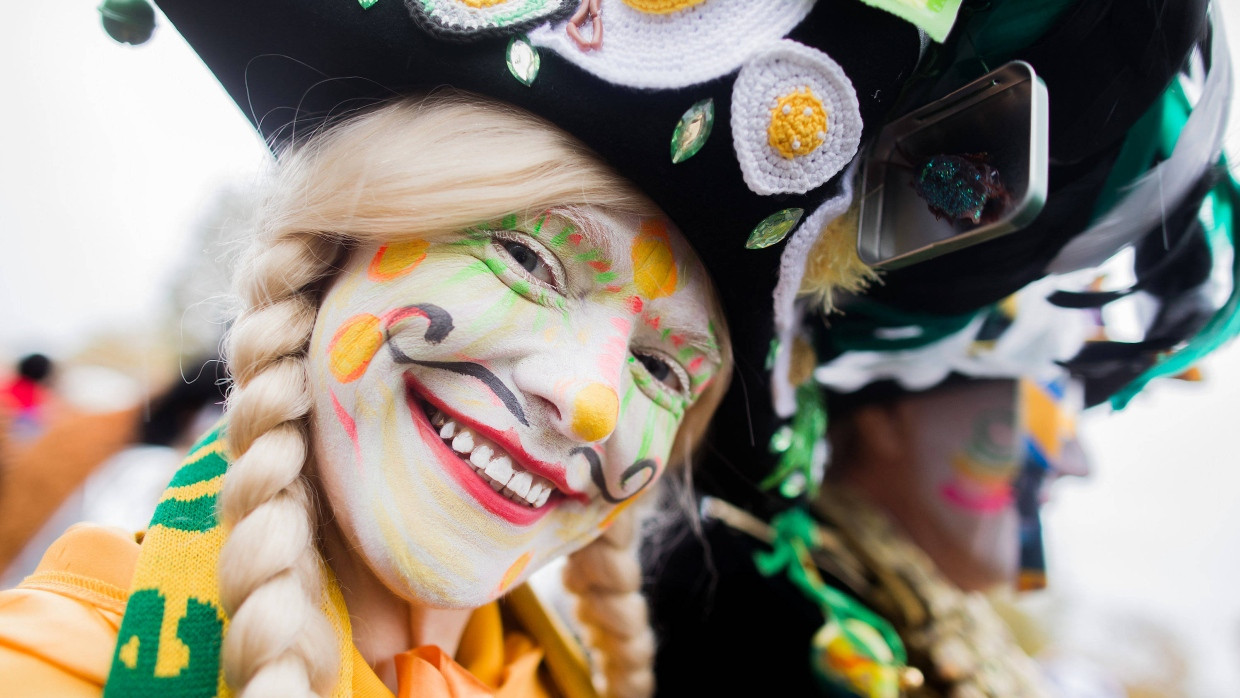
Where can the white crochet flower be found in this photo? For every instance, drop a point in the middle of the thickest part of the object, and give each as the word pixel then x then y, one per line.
pixel 676 43
pixel 796 121
pixel 466 17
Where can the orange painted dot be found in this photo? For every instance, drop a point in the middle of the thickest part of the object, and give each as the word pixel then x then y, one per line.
pixel 514 572
pixel 397 259
pixel 654 265
pixel 353 346
pixel 595 410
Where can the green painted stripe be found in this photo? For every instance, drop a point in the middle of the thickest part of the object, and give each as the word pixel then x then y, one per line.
pixel 496 313
pixel 562 236
pixel 628 395
pixel 472 270
pixel 647 436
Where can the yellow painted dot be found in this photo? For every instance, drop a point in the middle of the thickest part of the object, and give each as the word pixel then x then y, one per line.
pixel 595 410
pixel 662 7
pixel 353 346
pixel 396 260
pixel 129 653
pixel 654 264
pixel 798 124
pixel 514 572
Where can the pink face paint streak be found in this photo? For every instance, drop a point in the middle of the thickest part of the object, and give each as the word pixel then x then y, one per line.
pixel 350 429
pixel 615 350
pixel 983 473
pixel 980 502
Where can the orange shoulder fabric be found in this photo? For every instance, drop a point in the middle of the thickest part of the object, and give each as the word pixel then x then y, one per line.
pixel 58 627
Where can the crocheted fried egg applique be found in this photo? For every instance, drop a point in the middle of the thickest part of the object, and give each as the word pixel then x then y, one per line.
pixel 474 19
pixel 675 43
pixel 795 119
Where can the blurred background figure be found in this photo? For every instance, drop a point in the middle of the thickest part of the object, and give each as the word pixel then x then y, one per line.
pixel 24 398
pixel 106 467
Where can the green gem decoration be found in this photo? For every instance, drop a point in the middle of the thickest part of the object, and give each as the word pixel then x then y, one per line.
pixel 781 440
pixel 367 4
pixel 522 59
pixel 794 485
pixel 800 466
pixel 774 228
pixel 693 130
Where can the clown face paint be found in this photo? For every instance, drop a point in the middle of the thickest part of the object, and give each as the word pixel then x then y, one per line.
pixel 483 403
pixel 964 456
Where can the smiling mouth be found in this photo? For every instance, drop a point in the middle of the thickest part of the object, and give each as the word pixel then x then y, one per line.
pixel 491 463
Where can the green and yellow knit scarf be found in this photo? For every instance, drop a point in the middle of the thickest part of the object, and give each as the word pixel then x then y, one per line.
pixel 173 627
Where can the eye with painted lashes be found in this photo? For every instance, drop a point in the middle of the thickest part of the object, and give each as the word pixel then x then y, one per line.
pixel 530 260
pixel 665 371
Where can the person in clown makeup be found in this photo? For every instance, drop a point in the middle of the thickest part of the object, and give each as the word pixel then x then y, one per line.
pixel 467 347
pixel 431 402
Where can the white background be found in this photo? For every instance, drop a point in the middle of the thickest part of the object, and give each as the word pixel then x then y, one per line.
pixel 109 153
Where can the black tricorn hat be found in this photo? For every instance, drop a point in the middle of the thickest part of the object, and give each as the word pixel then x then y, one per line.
pixel 293 65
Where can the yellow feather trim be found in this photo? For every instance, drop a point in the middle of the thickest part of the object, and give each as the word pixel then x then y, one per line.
pixel 833 265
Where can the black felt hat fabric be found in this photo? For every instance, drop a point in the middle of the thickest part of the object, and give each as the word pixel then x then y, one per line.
pixel 292 64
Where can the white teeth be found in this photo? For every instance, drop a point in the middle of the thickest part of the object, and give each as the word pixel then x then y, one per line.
pixel 463 443
pixel 496 468
pixel 520 483
pixel 535 492
pixel 481 455
pixel 500 470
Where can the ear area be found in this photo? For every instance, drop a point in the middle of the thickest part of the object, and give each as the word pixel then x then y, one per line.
pixel 881 433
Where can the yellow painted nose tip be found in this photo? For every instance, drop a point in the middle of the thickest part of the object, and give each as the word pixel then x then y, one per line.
pixel 595 410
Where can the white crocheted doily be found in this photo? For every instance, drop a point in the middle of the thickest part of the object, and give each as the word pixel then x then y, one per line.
pixel 703 40
pixel 795 119
pixel 465 18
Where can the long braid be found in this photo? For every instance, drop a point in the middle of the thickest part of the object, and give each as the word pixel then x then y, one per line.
pixel 278 642
pixel 606 576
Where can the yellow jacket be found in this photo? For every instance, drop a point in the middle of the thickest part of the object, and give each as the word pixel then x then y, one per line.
pixel 58 629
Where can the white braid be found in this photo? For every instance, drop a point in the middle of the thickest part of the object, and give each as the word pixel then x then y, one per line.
pixel 279 643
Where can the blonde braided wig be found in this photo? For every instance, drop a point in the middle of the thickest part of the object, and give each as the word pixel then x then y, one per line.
pixel 411 169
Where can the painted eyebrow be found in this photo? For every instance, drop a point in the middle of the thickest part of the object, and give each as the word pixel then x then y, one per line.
pixel 701 341
pixel 595 231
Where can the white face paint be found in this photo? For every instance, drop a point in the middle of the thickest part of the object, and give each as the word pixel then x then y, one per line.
pixel 484 403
